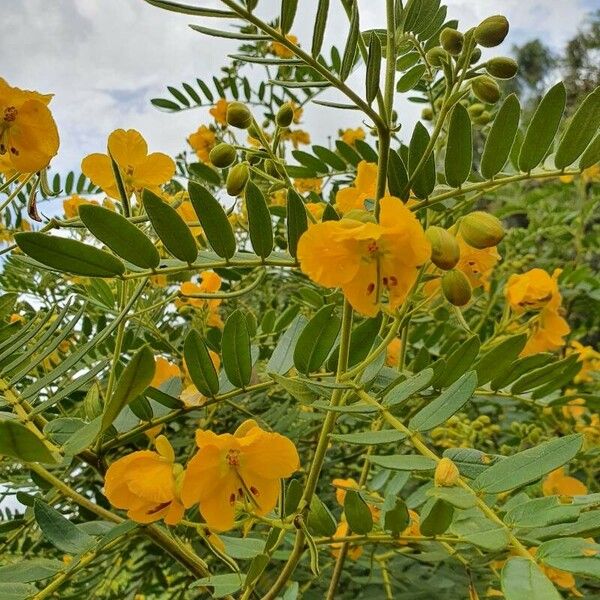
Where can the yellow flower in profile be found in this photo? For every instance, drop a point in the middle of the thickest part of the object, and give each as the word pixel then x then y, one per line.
pixel 147 484
pixel 392 353
pixel 547 333
pixel 209 284
pixel 163 371
pixel 349 136
pixel 364 188
pixel 71 205
pixel 244 467
pixel 282 51
pixel 534 289
pixel 297 137
pixel 138 169
pixel 219 111
pixel 367 259
pixel 28 133
pixel 589 359
pixel 202 141
pixel 298 112
pixel 306 185
pixel 558 483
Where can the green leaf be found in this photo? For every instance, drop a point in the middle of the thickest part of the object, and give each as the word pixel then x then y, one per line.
pixel 297 389
pixel 27 571
pixel 297 221
pixel 397 176
pixel 200 365
pixel 424 177
pixel 320 520
pixel 170 228
pixel 357 513
pixel 330 157
pixel 369 438
pixel 436 517
pixel 319 28
pixel 542 128
pixel 459 148
pixel 541 512
pixel 458 497
pixel 471 462
pixel 361 342
pixel 222 585
pixel 571 554
pixel 282 359
pixel 397 519
pixel 134 379
pixel 60 532
pixel 17 591
pixel 523 365
pixel 522 579
pixel 259 221
pixel 480 531
pixel 213 219
pixel 541 376
pixel 20 443
pixel 235 349
pixel 83 437
pixel 501 137
pixel 293 495
pixel 529 465
pixel 121 236
pixel 459 361
pixel 405 389
pixel 288 12
pixel 166 104
pixel 411 78
pixel 581 130
pixel 351 43
pixel 70 256
pixel 205 172
pixel 59 430
pixel 494 361
pixel 592 154
pixel 373 70
pixel 446 404
pixel 403 462
pixel 229 35
pixel 7 304
pixel 348 153
pixel 316 340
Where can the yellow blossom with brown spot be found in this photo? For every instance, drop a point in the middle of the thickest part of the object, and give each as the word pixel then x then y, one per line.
pixel 219 111
pixel 202 141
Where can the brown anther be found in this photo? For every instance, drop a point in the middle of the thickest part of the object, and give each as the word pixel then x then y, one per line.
pixel 254 490
pixel 393 281
pixel 14 151
pixel 370 288
pixel 233 458
pixel 232 499
pixel 10 114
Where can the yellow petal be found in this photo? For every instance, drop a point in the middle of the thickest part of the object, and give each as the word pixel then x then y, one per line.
pixel 154 170
pixel 218 508
pixel 366 178
pixel 97 167
pixel 362 290
pixel 269 455
pixel 128 148
pixel 206 473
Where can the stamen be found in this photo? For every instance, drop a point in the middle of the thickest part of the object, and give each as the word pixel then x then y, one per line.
pixel 254 490
pixel 158 508
pixel 370 289
pixel 10 114
pixel 232 499
pixel 233 458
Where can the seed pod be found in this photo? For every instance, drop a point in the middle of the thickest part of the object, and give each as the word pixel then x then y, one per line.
pixel 285 115
pixel 238 115
pixel 222 155
pixel 427 114
pixel 237 179
pixel 445 252
pixel 481 230
pixel 491 31
pixel 456 288
pixel 446 473
pixel 476 109
pixel 436 56
pixel 486 89
pixel 502 67
pixel 252 157
pixel 475 56
pixel 270 168
pixel 452 40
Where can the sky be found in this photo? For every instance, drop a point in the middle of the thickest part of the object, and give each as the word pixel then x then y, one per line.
pixel 105 59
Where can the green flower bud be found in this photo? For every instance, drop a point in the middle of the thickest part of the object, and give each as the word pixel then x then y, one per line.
pixel 484 118
pixel 222 155
pixel 481 230
pixel 285 115
pixel 452 41
pixel 252 157
pixel 456 288
pixel 445 252
pixel 476 109
pixel 475 56
pixel 491 31
pixel 502 67
pixel 486 89
pixel 436 56
pixel 271 168
pixel 238 115
pixel 427 114
pixel 237 179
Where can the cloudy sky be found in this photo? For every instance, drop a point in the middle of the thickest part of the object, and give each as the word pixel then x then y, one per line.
pixel 104 59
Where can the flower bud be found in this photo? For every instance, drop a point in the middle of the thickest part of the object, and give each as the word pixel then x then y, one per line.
pixel 486 89
pixel 452 41
pixel 481 230
pixel 475 56
pixel 484 118
pixel 456 288
pixel 446 473
pixel 222 155
pixel 436 56
pixel 491 31
pixel 476 109
pixel 237 179
pixel 502 67
pixel 445 252
pixel 427 114
pixel 285 115
pixel 238 115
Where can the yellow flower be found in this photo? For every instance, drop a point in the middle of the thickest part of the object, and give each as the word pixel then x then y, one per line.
pixel 563 579
pixel 138 168
pixel 71 205
pixel 163 371
pixel 476 264
pixel 366 259
pixel 558 483
pixel 279 198
pixel 297 137
pixel 219 111
pixel 316 209
pixel 147 484
pixel 28 133
pixel 446 473
pixel 363 189
pixel 590 174
pixel 309 185
pixel 575 409
pixel 590 430
pixel 392 354
pixel 589 359
pixel 298 112
pixel 210 283
pixel 534 289
pixel 15 318
pixel 154 432
pixel 282 51
pixel 547 333
pixel 354 551
pixel 413 528
pixel 202 141
pixel 349 136
pixel 188 214
pixel 246 466
pixel 341 485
